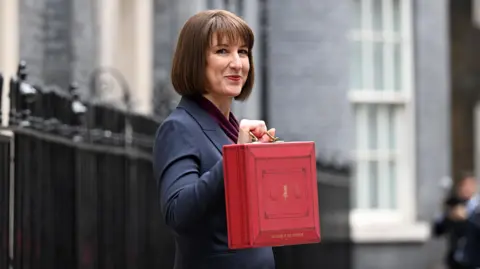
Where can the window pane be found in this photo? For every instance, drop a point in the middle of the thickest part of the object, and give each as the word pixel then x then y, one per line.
pixel 361 127
pixel 377 16
pixel 373 184
pixel 372 127
pixel 368 66
pixel 378 65
pixel 398 67
pixel 396 16
pixel 393 185
pixel 356 65
pixel 386 191
pixel 357 15
pixel 392 132
pixel 368 127
pixel 362 190
pixel 354 187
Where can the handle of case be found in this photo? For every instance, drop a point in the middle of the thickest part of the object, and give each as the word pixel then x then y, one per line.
pixel 273 138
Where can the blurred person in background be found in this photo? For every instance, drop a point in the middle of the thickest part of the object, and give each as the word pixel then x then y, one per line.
pixel 453 222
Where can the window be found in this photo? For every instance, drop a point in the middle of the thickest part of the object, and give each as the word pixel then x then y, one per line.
pixel 381 93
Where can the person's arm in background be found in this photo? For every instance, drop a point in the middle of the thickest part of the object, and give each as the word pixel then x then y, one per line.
pixel 439 226
pixel 442 223
pixel 455 211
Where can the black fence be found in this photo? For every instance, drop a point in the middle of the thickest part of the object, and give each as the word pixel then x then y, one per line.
pixel 84 194
pixel 4 199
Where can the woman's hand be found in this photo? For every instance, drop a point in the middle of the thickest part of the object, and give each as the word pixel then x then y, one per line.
pixel 257 127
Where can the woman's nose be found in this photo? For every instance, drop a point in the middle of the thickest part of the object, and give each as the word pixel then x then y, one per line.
pixel 235 62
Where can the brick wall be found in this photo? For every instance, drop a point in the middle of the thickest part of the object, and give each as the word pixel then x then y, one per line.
pixel 308 73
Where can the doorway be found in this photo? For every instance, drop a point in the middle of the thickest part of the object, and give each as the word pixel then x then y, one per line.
pixel 465 87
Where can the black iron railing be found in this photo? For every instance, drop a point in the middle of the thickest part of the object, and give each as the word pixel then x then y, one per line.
pixel 4 199
pixel 84 190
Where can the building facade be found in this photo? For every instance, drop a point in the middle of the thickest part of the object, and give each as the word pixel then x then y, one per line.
pixel 379 74
pixel 386 85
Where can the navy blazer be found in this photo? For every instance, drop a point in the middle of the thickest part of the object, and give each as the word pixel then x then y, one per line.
pixel 188 168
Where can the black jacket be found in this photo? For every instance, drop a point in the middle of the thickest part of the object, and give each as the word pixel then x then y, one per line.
pixel 188 167
pixel 455 231
pixel 472 247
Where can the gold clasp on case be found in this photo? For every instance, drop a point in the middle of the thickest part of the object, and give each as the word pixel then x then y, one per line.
pixel 273 138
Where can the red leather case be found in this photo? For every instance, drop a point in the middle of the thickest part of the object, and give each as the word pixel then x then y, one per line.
pixel 271 194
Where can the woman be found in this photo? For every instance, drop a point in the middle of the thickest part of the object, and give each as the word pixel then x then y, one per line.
pixel 212 65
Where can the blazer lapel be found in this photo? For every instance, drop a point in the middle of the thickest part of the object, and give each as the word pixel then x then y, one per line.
pixel 218 138
pixel 209 126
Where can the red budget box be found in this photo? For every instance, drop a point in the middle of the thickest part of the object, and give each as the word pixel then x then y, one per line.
pixel 271 194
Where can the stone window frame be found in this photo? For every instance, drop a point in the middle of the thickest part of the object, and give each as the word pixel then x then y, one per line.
pixel 126 44
pixel 9 50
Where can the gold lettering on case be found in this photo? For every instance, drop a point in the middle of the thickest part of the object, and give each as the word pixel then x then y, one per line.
pixel 285 192
pixel 287 235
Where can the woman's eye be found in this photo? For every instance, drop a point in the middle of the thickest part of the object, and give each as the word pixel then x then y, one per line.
pixel 243 52
pixel 221 51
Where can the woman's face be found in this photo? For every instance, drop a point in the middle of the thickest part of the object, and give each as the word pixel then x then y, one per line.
pixel 227 67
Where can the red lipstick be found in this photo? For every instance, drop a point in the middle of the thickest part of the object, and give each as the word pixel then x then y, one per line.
pixel 234 78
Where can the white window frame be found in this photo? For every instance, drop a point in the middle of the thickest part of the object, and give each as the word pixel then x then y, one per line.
pixel 126 44
pixel 375 225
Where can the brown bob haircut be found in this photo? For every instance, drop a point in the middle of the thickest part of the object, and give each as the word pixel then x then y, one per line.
pixel 189 61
